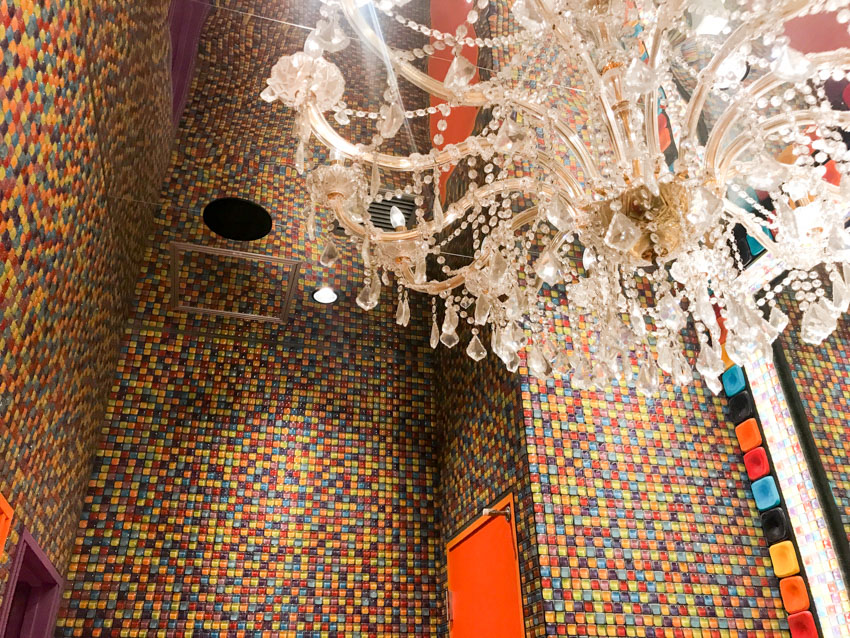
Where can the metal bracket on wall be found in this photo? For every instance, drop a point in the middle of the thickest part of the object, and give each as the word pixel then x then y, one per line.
pixel 505 512
pixel 178 249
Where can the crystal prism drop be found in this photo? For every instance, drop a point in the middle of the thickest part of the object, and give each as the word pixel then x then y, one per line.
pixel 331 36
pixel 342 118
pixel 510 138
pixel 818 323
pixel 329 255
pixel 665 356
pixel 548 268
pixel 525 12
pixel 435 333
pixel 709 362
pixel 840 294
pixel 375 291
pixel 402 314
pixel 311 221
pixel 497 270
pixel 476 349
pixel 449 339
pixel 622 233
pixel 313 46
pixel 588 258
pixel 714 384
pixel 450 319
pixel 268 94
pixel 682 373
pixel 839 243
pixel 670 313
pixel 512 362
pixel 778 319
pixel 637 321
pixel 300 158
pixel 397 218
pixel 375 184
pixel 559 216
pixel 482 309
pixel 439 217
pixel 792 66
pixel 364 299
pixel 392 117
pixel 647 381
pixel 537 363
pixel 460 74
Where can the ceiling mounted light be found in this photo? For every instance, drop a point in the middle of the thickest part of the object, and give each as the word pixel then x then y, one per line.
pixel 325 295
pixel 652 208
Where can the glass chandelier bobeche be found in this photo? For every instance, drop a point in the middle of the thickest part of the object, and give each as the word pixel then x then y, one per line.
pixel 640 246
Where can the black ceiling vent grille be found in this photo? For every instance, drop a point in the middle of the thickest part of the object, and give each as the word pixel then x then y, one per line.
pixel 380 211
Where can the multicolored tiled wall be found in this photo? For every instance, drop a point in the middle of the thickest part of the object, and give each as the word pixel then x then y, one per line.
pixel 646 523
pixel 257 479
pixel 483 456
pixel 822 376
pixel 70 236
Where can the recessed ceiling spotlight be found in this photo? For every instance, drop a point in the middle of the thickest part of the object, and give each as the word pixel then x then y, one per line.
pixel 325 295
pixel 237 218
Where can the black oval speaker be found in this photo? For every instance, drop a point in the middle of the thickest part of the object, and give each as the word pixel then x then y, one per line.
pixel 775 525
pixel 238 219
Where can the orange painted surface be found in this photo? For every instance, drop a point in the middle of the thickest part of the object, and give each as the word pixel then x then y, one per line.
pixel 446 16
pixel 6 514
pixel 484 582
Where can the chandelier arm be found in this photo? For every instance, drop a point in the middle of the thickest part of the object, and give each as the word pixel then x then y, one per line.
pixel 608 113
pixel 721 169
pixel 761 87
pixel 736 39
pixel 650 100
pixel 471 97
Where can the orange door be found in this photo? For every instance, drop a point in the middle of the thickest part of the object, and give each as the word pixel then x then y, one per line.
pixel 484 587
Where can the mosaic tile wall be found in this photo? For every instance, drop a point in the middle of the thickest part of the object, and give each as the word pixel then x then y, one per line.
pixel 822 373
pixel 70 242
pixel 482 456
pixel 645 521
pixel 257 479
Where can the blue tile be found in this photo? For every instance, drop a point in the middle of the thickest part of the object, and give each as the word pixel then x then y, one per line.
pixel 765 493
pixel 733 381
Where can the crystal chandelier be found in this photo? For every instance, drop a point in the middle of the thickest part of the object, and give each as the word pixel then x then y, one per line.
pixel 637 243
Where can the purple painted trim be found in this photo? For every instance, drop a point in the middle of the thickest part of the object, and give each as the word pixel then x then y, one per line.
pixel 186 19
pixel 33 566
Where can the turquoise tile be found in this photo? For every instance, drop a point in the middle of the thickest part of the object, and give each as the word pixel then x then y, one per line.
pixel 733 381
pixel 765 493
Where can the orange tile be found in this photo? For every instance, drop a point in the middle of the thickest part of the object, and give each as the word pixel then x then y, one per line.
pixel 748 435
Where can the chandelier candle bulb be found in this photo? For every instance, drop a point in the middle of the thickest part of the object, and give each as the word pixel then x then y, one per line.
pixel 628 207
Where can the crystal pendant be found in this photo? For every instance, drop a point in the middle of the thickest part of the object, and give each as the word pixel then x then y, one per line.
pixel 329 255
pixel 397 218
pixel 778 319
pixel 818 323
pixel 300 158
pixel 439 216
pixel 365 299
pixel 559 216
pixel 637 321
pixel 510 138
pixel 670 313
pixel 647 381
pixel 313 46
pixel 704 312
pixel 548 268
pixel 665 356
pixel 622 233
pixel 537 363
pixel 640 78
pixel 839 244
pixel 709 362
pixel 449 334
pixel 497 270
pixel 342 118
pixel 588 258
pixel 482 309
pixel 375 184
pixel 435 333
pixel 840 294
pixel 476 349
pixel 682 373
pixel 402 314
pixel 513 362
pixel 792 66
pixel 460 74
pixel 392 117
